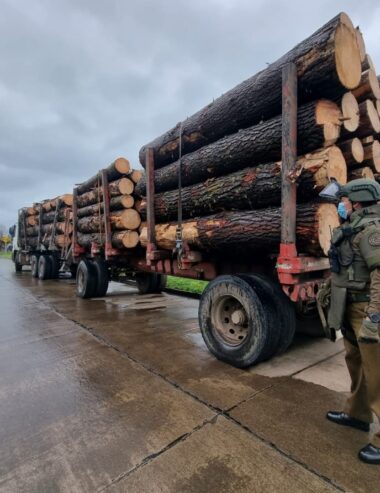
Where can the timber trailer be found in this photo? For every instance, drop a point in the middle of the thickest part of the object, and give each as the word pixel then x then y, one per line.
pixel 247 313
pixel 46 258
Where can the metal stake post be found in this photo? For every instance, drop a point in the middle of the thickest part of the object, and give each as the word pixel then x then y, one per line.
pixel 109 251
pixel 289 159
pixel 151 246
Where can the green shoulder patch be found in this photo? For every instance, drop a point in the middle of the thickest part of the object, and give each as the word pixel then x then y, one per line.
pixel 374 239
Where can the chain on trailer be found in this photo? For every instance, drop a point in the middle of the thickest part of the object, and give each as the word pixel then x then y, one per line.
pixel 39 240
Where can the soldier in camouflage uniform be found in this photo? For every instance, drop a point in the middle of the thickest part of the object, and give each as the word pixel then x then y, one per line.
pixel 355 304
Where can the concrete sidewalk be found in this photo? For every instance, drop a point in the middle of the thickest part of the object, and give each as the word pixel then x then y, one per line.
pixel 121 394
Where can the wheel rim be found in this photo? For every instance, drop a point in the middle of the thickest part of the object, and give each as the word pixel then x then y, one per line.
pixel 80 280
pixel 230 321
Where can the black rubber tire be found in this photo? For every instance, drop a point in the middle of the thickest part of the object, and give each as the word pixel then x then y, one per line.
pixel 265 293
pixel 102 278
pixel 73 270
pixel 286 313
pixel 250 351
pixel 34 265
pixel 150 282
pixel 44 267
pixel 86 279
pixel 18 266
pixel 54 267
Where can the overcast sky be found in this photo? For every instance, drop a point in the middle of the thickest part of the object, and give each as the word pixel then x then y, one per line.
pixel 85 81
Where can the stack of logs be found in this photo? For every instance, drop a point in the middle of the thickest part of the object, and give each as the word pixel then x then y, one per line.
pixel 123 217
pixel 48 224
pixel 231 150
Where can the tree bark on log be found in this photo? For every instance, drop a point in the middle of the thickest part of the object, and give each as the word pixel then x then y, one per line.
pixel 369 87
pixel 254 230
pixel 365 172
pixel 136 175
pixel 48 217
pixel 361 44
pixel 51 204
pixel 327 62
pixel 350 115
pixel 116 203
pixel 120 239
pixel 372 155
pixel 61 227
pixel 31 211
pixel 318 126
pixel 115 171
pixel 59 241
pixel 368 64
pixel 250 188
pixel 124 186
pixel 31 220
pixel 369 119
pixel 352 151
pixel 124 219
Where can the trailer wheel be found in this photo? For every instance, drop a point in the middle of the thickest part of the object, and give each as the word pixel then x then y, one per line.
pixel 44 267
pixel 73 270
pixel 285 311
pixel 102 277
pixel 150 282
pixel 232 321
pixel 18 266
pixel 264 291
pixel 86 279
pixel 54 267
pixel 34 265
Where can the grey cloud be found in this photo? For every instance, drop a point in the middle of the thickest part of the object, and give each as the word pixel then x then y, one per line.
pixel 84 81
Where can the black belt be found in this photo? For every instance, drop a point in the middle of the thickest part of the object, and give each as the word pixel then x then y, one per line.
pixel 358 297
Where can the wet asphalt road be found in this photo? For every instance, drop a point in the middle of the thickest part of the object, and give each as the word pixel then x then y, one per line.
pixel 120 394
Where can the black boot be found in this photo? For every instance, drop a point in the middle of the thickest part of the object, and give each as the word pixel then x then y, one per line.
pixel 370 454
pixel 344 419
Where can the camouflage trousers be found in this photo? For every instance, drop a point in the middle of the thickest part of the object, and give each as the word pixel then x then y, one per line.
pixel 363 363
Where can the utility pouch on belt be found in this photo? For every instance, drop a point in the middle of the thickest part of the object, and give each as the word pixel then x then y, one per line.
pixel 337 308
pixel 324 300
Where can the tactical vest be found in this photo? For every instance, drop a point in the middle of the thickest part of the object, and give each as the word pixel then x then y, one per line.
pixel 354 252
pixel 355 249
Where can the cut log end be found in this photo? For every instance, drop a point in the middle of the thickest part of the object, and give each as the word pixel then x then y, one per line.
pixel 335 166
pixel 327 112
pixel 128 219
pixel 122 165
pixel 126 186
pixel 378 106
pixel 350 112
pixel 325 164
pixel 136 175
pixel 127 201
pixel 376 155
pixel 372 115
pixel 347 54
pixel 331 134
pixel 126 239
pixel 364 172
pixel 67 199
pixel 368 63
pixel 369 87
pixel 357 150
pixel 361 44
pixel 328 219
